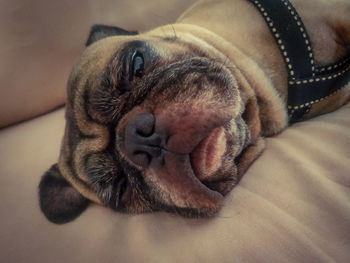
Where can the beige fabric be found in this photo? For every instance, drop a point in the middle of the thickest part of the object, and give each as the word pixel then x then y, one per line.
pixel 293 205
pixel 40 40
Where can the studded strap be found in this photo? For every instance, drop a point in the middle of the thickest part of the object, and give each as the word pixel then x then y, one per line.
pixel 307 84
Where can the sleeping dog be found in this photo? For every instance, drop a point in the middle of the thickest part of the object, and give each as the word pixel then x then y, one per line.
pixel 169 120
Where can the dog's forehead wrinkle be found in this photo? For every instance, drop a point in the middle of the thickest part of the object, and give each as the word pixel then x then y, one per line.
pixel 180 73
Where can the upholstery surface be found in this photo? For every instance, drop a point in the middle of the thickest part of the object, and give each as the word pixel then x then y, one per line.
pixel 41 40
pixel 293 205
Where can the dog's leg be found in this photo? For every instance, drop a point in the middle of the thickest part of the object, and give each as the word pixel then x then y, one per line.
pixel 343 33
pixel 328 26
pixel 340 22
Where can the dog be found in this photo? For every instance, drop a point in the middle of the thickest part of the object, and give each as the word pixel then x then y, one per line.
pixel 169 120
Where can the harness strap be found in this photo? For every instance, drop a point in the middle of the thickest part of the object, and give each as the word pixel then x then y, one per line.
pixel 307 84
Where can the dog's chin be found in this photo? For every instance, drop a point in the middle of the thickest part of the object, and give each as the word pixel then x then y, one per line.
pixel 192 180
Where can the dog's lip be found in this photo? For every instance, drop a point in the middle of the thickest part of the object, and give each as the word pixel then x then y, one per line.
pixel 207 155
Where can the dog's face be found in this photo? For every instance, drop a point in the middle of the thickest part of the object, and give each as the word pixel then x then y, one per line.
pixel 153 123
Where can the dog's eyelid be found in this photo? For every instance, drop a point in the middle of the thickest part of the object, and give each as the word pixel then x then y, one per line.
pixel 137 65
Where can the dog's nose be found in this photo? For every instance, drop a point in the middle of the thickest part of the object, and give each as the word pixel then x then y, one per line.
pixel 142 143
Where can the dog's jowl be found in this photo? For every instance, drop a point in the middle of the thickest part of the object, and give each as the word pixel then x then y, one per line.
pixel 170 119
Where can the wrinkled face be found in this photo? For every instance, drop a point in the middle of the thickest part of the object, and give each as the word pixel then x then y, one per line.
pixel 154 124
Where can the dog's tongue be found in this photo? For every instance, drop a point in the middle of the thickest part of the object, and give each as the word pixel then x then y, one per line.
pixel 206 158
pixel 179 186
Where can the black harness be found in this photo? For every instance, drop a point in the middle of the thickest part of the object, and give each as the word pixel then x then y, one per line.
pixel 307 84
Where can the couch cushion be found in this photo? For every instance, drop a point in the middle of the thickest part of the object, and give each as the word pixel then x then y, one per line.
pixel 293 205
pixel 40 40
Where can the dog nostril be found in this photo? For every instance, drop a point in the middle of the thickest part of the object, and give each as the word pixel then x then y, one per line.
pixel 143 154
pixel 142 143
pixel 144 124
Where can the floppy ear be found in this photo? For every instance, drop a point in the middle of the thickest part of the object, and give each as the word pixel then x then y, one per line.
pixel 98 32
pixel 59 201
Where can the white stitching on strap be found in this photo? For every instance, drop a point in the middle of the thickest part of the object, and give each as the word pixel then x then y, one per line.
pixel 277 36
pixel 319 78
pixel 280 42
pixel 310 56
pixel 307 42
pixel 293 108
pixel 331 67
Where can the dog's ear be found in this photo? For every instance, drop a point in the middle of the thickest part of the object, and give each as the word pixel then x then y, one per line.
pixel 98 32
pixel 59 201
